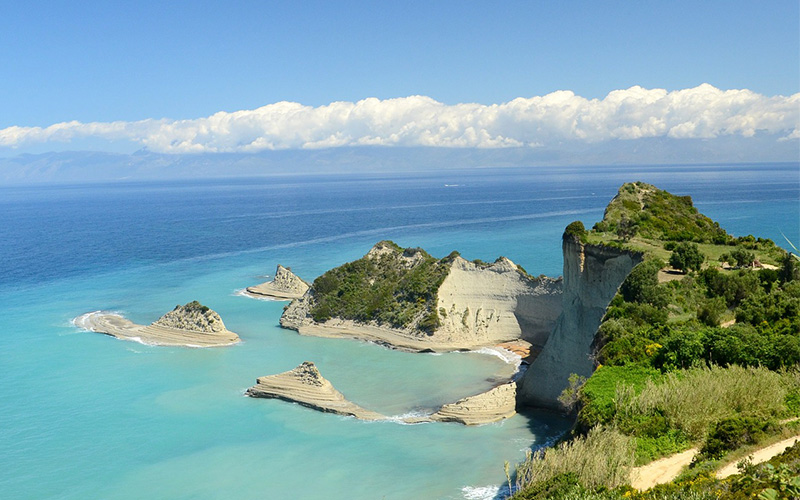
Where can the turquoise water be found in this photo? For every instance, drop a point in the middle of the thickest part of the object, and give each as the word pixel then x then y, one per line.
pixel 83 415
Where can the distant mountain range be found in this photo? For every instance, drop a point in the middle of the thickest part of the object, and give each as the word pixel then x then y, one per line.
pixel 90 166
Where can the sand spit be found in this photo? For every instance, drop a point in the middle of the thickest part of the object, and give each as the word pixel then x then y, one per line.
pixel 306 386
pixel 285 286
pixel 192 325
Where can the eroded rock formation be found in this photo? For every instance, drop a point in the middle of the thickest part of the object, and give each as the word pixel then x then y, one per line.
pixel 285 286
pixel 306 386
pixel 495 404
pixel 477 305
pixel 592 276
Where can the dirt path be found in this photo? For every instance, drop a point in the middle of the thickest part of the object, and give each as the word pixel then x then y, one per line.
pixel 760 456
pixel 661 471
pixel 666 469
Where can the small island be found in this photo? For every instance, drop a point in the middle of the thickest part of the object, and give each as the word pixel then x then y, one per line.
pixel 285 286
pixel 190 325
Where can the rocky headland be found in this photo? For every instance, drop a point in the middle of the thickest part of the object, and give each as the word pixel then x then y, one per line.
pixel 285 286
pixel 419 303
pixel 190 325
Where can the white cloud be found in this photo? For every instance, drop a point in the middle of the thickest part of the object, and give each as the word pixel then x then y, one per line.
pixel 634 113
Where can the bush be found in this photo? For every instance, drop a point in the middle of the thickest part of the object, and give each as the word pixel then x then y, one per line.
pixel 741 256
pixel 576 230
pixel 731 433
pixel 711 310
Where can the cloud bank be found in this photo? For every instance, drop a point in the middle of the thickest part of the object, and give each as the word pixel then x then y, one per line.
pixel 702 112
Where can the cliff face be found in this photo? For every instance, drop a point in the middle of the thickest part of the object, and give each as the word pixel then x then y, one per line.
pixel 477 304
pixel 592 276
pixel 494 303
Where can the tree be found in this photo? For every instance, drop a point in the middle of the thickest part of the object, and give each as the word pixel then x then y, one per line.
pixel 626 228
pixel 742 257
pixel 686 257
pixel 641 285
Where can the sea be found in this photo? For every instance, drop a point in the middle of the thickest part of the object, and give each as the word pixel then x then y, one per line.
pixel 86 416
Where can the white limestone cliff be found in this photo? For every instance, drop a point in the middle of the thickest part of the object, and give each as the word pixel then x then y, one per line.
pixel 478 305
pixel 592 276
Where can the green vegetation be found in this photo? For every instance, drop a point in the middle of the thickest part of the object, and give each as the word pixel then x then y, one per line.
pixel 601 458
pixel 708 358
pixel 686 257
pixel 779 478
pixel 396 287
pixel 193 306
pixel 576 230
pixel 659 215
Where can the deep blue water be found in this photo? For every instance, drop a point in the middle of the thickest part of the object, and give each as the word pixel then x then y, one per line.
pixel 87 416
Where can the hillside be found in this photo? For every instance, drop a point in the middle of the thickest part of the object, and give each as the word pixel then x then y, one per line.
pixel 699 347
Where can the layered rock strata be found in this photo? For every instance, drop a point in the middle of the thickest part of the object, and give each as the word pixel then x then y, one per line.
pixel 592 276
pixel 285 286
pixel 190 325
pixel 491 406
pixel 306 386
pixel 477 304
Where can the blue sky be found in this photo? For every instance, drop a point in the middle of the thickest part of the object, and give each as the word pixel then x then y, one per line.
pixel 131 61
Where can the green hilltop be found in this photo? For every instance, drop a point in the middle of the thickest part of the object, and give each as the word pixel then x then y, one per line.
pixel 390 285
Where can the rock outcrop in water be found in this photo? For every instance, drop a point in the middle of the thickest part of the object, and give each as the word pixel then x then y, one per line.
pixel 592 276
pixel 190 325
pixel 306 386
pixel 495 404
pixel 466 304
pixel 285 286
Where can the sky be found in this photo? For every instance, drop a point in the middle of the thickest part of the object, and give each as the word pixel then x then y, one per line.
pixel 194 77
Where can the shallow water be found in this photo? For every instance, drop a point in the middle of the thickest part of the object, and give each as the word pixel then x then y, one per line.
pixel 84 415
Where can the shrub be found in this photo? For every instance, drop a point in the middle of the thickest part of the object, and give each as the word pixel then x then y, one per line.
pixel 641 285
pixel 741 256
pixel 711 310
pixel 576 230
pixel 731 433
